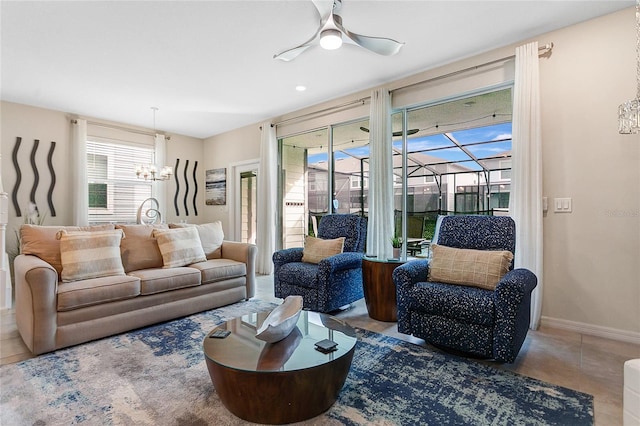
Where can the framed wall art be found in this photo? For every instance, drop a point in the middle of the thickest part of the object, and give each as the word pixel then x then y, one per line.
pixel 216 187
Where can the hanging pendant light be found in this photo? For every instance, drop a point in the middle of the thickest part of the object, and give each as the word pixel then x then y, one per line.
pixel 629 112
pixel 151 171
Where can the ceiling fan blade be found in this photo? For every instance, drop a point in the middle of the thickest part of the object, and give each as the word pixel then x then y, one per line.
pixel 395 134
pixel 324 8
pixel 291 54
pixel 380 45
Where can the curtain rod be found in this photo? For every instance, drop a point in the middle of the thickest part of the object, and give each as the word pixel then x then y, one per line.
pixel 542 50
pixel 121 128
pixel 361 101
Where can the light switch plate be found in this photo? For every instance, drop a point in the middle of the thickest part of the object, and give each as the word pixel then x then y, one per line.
pixel 562 205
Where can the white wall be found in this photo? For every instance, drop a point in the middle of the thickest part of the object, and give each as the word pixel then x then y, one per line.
pixel 592 256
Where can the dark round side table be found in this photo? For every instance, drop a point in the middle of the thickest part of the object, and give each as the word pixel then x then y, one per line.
pixel 379 289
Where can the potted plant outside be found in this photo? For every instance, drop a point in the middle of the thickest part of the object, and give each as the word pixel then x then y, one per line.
pixel 396 243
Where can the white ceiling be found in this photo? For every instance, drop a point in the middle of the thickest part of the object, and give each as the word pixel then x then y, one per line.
pixel 208 65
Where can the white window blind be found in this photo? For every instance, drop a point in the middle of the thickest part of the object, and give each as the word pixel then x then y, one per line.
pixel 115 192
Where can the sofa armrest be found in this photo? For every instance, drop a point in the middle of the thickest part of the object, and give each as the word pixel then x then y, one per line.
pixel 36 290
pixel 245 253
pixel 513 307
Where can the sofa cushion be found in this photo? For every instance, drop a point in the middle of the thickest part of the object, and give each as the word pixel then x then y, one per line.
pixel 478 268
pixel 158 280
pixel 316 249
pixel 41 241
pixel 139 249
pixel 86 255
pixel 95 291
pixel 179 247
pixel 220 269
pixel 211 237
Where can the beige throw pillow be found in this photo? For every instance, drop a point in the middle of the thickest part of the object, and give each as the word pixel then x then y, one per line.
pixel 211 237
pixel 87 255
pixel 41 241
pixel 316 249
pixel 139 249
pixel 179 247
pixel 477 268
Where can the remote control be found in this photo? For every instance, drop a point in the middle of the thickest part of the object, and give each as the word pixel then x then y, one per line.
pixel 220 334
pixel 326 345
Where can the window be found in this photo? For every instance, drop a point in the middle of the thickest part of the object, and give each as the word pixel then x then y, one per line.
pixel 115 192
pixel 356 182
pixel 98 191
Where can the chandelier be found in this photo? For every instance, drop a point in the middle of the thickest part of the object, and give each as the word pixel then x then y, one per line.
pixel 151 171
pixel 629 112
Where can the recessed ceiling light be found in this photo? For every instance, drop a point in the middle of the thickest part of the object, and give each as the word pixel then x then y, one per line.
pixel 301 88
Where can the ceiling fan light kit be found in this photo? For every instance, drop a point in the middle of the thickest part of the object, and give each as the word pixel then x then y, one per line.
pixel 330 39
pixel 331 34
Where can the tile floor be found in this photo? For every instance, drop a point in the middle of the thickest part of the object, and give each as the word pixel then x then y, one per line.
pixel 585 363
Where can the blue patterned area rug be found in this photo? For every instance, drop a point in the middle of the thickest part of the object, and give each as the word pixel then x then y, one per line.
pixel 158 376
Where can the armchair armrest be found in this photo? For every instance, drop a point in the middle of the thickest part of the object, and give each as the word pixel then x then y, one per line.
pixel 281 257
pixel 408 274
pixel 341 261
pixel 513 307
pixel 405 278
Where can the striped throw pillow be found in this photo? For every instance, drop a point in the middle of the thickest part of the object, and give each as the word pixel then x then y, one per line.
pixel 87 255
pixel 179 246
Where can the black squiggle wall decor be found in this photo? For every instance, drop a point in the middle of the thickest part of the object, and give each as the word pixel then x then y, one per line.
pixel 186 183
pixel 195 183
pixel 52 209
pixel 14 193
pixel 175 177
pixel 36 175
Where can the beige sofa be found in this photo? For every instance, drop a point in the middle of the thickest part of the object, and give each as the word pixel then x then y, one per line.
pixel 87 283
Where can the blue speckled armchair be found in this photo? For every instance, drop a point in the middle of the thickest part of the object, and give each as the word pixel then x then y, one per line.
pixel 335 281
pixel 482 323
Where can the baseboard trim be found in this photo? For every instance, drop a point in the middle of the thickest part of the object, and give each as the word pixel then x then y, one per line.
pixel 593 330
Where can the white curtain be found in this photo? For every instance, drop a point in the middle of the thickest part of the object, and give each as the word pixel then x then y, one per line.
pixel 267 199
pixel 159 189
pixel 380 226
pixel 525 203
pixel 79 173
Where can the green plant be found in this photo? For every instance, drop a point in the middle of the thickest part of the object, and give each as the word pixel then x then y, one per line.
pixel 396 241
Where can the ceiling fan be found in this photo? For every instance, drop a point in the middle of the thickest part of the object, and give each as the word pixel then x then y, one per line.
pixel 331 34
pixel 398 133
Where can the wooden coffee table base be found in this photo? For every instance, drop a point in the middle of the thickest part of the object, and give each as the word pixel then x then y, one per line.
pixel 279 397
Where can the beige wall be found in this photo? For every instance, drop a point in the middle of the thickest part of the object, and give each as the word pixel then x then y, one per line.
pixel 47 125
pixel 230 150
pixel 592 255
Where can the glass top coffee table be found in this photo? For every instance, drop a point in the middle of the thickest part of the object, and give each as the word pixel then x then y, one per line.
pixel 283 382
